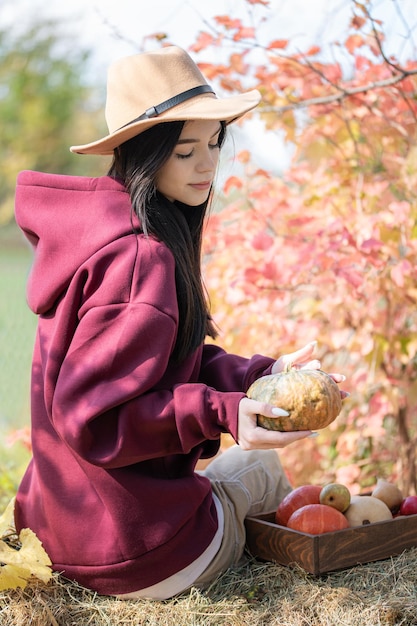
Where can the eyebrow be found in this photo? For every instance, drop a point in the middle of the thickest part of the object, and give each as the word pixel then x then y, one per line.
pixel 183 141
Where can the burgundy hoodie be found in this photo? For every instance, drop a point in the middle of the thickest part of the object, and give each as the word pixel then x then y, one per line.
pixel 117 427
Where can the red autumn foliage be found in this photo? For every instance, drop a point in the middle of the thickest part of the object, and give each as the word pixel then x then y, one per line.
pixel 327 249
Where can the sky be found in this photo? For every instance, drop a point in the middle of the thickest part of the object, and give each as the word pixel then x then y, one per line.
pixel 115 28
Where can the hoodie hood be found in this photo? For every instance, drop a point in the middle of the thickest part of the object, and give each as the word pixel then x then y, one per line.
pixel 67 219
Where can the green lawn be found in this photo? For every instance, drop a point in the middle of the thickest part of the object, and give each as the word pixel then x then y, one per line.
pixel 17 328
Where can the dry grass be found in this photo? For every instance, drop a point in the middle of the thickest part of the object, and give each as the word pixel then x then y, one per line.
pixel 254 594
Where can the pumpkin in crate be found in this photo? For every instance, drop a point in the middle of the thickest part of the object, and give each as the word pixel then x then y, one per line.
pixel 311 397
pixel 316 519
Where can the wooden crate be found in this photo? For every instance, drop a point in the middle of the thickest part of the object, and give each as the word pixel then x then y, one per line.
pixel 318 554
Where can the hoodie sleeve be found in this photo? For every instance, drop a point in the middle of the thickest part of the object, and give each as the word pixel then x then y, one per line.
pixel 116 399
pixel 228 372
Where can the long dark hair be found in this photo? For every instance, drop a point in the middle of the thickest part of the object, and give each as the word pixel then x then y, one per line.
pixel 180 226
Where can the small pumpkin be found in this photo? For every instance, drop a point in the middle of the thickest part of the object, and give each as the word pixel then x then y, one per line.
pixel 295 499
pixel 317 519
pixel 311 397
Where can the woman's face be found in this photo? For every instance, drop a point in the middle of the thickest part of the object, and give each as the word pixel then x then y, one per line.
pixel 188 173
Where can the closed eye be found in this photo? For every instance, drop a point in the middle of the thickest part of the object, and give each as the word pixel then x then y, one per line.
pixel 185 156
pixel 212 146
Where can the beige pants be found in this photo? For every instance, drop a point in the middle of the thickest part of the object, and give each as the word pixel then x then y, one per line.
pixel 246 483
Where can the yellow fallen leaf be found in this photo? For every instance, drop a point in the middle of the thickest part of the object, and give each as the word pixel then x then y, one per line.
pixel 12 577
pixel 18 565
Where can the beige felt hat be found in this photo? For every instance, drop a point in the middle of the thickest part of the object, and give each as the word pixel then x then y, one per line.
pixel 161 86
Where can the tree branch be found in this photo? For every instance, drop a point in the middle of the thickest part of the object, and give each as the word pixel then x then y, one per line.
pixel 343 92
pixel 398 73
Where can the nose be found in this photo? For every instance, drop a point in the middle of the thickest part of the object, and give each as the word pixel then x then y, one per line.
pixel 208 161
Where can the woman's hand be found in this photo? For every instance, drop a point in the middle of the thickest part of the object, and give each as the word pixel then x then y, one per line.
pixel 254 437
pixel 301 359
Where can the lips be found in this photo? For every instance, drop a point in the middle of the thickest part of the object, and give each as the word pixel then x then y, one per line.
pixel 201 186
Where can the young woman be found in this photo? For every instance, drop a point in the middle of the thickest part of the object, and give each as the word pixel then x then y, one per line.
pixel 126 396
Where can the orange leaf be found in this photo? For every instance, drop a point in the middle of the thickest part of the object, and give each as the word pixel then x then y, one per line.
pixel 245 32
pixel 237 64
pixel 204 40
pixel 278 44
pixel 361 62
pixel 244 156
pixel 209 70
pixel 357 22
pixel 227 22
pixel 232 182
pixel 262 172
pixel 353 42
pixel 313 50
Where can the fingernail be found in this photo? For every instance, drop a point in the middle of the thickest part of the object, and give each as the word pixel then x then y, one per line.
pixel 342 377
pixel 312 435
pixel 280 412
pixel 313 343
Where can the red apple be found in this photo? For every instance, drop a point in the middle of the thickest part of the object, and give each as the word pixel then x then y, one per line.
pixel 409 506
pixel 306 494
